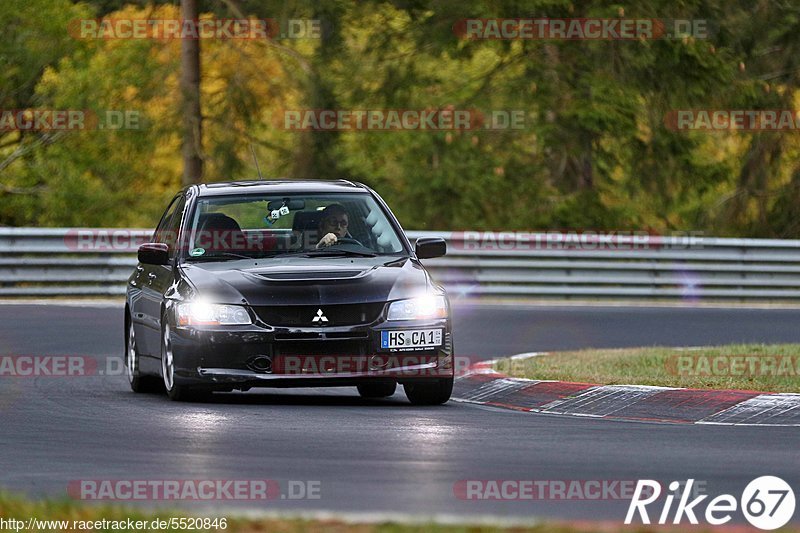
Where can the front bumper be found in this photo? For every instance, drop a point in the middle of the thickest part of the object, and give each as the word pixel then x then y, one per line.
pixel 263 356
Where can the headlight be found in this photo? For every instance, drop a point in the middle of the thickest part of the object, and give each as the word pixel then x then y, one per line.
pixel 207 314
pixel 418 308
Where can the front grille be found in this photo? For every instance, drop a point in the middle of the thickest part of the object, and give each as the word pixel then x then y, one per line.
pixel 312 335
pixel 303 315
pixel 327 347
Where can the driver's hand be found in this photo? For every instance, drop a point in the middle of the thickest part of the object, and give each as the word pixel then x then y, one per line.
pixel 327 240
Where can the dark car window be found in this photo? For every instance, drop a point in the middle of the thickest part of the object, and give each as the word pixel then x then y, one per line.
pixel 265 225
pixel 167 231
pixel 162 224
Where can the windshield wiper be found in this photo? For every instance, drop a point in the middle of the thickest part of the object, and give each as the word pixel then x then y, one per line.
pixel 219 255
pixel 323 252
pixel 327 252
pixel 332 252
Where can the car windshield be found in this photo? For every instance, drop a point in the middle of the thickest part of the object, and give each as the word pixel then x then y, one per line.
pixel 313 225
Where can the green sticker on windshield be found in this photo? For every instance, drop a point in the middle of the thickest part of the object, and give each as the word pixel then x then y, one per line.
pixel 197 252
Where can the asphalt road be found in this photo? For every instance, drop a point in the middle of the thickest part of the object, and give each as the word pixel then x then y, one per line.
pixel 377 456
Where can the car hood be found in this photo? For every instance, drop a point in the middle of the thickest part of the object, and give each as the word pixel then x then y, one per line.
pixel 307 281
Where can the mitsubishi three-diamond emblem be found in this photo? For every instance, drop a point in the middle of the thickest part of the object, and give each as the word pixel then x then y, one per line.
pixel 320 317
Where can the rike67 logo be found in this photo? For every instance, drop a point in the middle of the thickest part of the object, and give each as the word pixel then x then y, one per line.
pixel 767 502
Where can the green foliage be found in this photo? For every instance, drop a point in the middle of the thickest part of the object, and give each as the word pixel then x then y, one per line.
pixel 593 152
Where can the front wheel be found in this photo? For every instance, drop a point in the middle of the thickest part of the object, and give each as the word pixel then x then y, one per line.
pixel 429 393
pixel 137 381
pixel 175 391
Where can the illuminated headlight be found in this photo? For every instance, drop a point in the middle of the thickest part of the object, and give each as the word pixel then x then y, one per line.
pixel 418 308
pixel 207 314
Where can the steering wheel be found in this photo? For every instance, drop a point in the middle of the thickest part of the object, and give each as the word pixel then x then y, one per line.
pixel 346 240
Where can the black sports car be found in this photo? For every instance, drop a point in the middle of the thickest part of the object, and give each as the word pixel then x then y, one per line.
pixel 286 284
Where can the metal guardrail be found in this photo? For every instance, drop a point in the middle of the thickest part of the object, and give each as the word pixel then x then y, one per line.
pixel 55 262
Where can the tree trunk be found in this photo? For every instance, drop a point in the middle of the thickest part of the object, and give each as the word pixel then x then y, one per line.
pixel 190 90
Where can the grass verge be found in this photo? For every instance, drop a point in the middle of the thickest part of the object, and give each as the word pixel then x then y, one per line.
pixel 759 367
pixel 23 509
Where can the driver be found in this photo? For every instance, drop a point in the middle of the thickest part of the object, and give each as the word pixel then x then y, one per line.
pixel 333 225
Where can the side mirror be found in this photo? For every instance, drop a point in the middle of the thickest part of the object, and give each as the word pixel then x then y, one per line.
pixel 429 247
pixel 154 253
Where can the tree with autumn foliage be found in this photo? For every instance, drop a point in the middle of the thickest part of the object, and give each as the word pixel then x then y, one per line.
pixel 594 151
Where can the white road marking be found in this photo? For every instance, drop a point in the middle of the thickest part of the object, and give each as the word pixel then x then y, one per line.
pixel 604 400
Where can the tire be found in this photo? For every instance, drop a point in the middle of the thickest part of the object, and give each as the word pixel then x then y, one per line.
pixel 377 390
pixel 176 391
pixel 138 382
pixel 429 393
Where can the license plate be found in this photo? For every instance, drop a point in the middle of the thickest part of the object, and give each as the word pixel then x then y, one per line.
pixel 411 338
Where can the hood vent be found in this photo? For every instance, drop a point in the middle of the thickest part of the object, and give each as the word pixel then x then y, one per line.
pixel 304 276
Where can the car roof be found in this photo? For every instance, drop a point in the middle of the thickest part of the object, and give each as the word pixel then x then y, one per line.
pixel 282 186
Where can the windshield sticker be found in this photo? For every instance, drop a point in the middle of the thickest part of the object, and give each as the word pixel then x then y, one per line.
pixel 197 252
